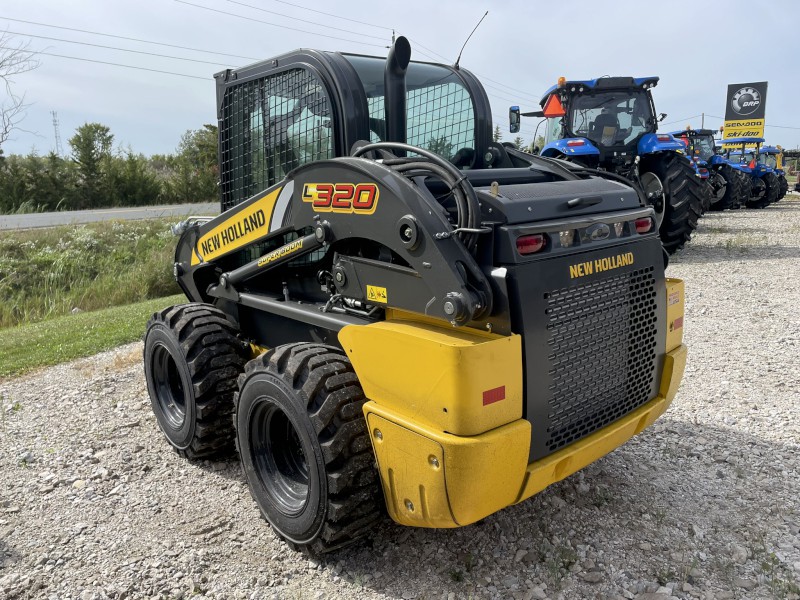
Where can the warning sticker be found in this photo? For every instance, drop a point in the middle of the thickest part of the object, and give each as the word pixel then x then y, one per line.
pixel 377 294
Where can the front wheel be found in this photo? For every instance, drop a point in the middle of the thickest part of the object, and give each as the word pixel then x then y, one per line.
pixel 304 446
pixel 736 190
pixel 683 198
pixel 192 358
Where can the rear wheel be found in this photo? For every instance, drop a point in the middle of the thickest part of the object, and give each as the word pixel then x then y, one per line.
pixel 192 359
pixel 736 189
pixel 683 198
pixel 304 447
pixel 772 189
pixel 784 186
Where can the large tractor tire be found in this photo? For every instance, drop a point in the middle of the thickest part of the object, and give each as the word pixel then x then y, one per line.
pixel 773 187
pixel 737 189
pixel 192 359
pixel 683 198
pixel 784 187
pixel 304 446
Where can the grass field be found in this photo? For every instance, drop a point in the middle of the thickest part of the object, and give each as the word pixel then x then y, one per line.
pixel 45 273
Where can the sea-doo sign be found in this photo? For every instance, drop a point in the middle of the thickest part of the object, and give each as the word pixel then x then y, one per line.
pixel 745 110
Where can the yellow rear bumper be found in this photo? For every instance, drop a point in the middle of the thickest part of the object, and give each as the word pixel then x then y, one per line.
pixel 435 479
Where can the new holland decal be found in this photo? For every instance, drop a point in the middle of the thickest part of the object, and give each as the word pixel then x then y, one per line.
pixel 599 265
pixel 360 198
pixel 241 228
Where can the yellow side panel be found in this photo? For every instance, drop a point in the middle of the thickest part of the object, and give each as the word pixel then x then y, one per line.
pixel 434 479
pixel 241 229
pixel 450 380
pixel 559 465
pixel 675 310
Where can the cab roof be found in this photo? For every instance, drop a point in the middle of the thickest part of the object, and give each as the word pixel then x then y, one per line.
pixel 601 83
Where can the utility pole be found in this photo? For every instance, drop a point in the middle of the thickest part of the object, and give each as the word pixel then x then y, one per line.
pixel 702 120
pixel 58 133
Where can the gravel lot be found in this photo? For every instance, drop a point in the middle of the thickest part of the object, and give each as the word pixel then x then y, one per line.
pixel 705 504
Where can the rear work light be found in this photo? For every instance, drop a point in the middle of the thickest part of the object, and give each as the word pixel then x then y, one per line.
pixel 643 225
pixel 530 244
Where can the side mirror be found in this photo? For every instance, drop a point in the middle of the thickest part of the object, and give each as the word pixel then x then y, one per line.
pixel 513 119
pixel 661 117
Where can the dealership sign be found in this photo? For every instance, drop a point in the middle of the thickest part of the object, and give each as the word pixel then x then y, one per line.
pixel 745 110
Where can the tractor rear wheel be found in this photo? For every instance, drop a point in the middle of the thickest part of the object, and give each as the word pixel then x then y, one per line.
pixel 683 198
pixel 304 446
pixel 736 189
pixel 770 195
pixel 784 187
pixel 192 358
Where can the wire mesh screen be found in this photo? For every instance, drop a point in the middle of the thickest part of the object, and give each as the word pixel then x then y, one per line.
pixel 270 126
pixel 439 118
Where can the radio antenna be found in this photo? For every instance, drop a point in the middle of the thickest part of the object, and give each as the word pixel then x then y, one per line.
pixel 455 65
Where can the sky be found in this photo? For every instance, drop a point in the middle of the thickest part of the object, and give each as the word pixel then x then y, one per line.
pixel 520 50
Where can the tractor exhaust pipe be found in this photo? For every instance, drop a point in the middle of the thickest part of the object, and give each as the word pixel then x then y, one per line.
pixel 394 83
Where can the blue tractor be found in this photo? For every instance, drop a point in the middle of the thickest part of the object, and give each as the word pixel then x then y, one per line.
pixel 765 186
pixel 772 156
pixel 729 181
pixel 610 124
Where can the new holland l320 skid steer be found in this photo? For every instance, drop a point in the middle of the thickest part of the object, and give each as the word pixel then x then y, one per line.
pixel 394 310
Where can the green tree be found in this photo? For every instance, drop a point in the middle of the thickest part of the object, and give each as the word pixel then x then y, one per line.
pixel 441 146
pixel 519 142
pixel 539 143
pixel 131 181
pixel 497 135
pixel 191 175
pixel 91 151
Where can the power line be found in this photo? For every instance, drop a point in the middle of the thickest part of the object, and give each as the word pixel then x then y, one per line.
pixel 130 39
pixel 327 26
pixel 230 14
pixel 333 15
pixel 102 62
pixel 679 120
pixel 44 37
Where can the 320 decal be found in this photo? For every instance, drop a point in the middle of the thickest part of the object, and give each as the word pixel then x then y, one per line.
pixel 359 198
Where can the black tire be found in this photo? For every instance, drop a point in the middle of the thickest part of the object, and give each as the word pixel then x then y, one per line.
pixel 737 189
pixel 305 449
pixel 784 187
pixel 771 195
pixel 708 196
pixel 683 198
pixel 747 187
pixel 192 359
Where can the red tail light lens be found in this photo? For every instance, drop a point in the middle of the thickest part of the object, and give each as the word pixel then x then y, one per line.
pixel 576 143
pixel 642 225
pixel 664 137
pixel 530 244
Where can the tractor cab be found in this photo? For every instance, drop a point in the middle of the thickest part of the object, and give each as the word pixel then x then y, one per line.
pixel 606 121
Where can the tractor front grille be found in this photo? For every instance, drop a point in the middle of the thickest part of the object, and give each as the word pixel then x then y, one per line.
pixel 602 353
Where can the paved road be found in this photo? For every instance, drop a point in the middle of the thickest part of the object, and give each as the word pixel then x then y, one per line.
pixel 32 220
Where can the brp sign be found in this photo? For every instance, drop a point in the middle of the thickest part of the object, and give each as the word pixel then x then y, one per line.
pixel 746 101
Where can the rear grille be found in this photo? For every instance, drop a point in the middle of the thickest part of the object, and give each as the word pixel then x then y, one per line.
pixel 602 353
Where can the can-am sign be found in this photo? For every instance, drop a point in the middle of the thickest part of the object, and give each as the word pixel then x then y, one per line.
pixel 745 110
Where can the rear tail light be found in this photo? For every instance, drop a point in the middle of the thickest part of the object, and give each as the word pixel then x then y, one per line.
pixel 642 225
pixel 530 244
pixel 576 143
pixel 664 137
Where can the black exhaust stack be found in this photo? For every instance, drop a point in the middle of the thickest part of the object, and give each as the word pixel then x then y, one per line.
pixel 394 83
